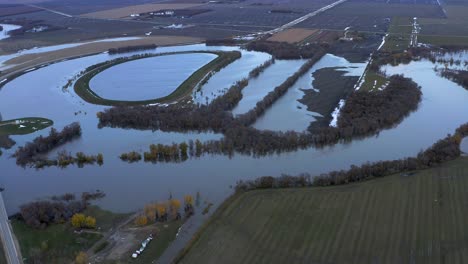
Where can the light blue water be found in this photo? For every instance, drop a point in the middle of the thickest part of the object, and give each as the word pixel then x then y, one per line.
pixel 148 78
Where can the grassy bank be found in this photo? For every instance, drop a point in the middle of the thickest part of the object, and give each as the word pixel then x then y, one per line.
pixel 184 90
pixel 2 255
pixel 24 126
pixel 411 218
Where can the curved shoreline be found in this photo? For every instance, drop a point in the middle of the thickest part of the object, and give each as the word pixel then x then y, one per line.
pixel 82 88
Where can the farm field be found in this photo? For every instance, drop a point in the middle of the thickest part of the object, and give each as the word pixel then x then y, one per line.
pixel 413 218
pixel 293 35
pixel 30 60
pixel 125 12
pixel 368 16
pixel 452 31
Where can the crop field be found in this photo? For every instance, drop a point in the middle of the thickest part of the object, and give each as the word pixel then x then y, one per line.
pixel 292 35
pixel 136 9
pixel 7 10
pixel 412 218
pixel 399 34
pixel 368 16
pixel 450 31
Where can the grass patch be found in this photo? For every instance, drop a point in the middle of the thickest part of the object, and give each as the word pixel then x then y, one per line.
pixel 83 89
pixel 56 244
pixel 411 218
pixel 24 126
pixel 100 247
pixel 373 80
pixel 105 220
pixel 166 233
pixel 399 34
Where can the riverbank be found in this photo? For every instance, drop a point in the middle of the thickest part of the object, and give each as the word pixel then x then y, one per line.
pixel 338 223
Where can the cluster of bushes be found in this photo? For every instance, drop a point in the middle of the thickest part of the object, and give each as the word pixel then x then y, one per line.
pixel 132 48
pixel 40 214
pixel 174 152
pixel 43 213
pixel 459 77
pixel 284 50
pixel 41 145
pixel 367 112
pixel 80 221
pixel 165 211
pixel 65 159
pixel 132 156
pixel 442 151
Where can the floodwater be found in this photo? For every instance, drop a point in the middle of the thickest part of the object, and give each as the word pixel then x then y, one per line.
pixel 265 83
pixel 130 186
pixel 293 114
pixel 8 57
pixel 6 28
pixel 148 78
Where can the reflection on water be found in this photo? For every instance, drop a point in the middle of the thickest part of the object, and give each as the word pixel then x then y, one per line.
pixel 148 78
pixel 442 110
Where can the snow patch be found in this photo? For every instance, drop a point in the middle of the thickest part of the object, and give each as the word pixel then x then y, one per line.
pixel 336 113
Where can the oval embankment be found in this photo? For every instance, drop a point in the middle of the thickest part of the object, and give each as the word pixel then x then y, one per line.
pixel 148 78
pixel 84 86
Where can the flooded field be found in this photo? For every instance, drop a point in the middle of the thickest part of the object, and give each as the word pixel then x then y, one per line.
pixel 288 105
pixel 212 176
pixel 6 28
pixel 148 78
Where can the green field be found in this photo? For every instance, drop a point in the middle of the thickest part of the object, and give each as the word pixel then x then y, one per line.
pixel 58 243
pixel 23 126
pixel 185 89
pixel 399 33
pixel 373 81
pixel 416 218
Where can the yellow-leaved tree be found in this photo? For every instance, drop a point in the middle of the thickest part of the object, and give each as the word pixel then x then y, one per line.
pixel 141 220
pixel 77 220
pixel 90 222
pixel 188 200
pixel 81 258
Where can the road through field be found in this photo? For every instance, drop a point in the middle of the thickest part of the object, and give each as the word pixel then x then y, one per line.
pixel 11 252
pixel 303 18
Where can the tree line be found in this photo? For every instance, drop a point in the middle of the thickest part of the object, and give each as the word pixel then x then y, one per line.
pixel 459 77
pixel 64 159
pixel 32 151
pixel 40 214
pixel 126 49
pixel 284 50
pixel 442 151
